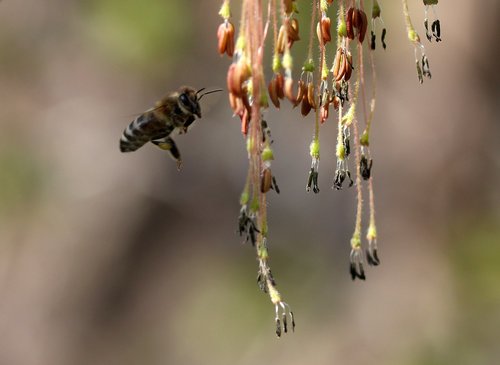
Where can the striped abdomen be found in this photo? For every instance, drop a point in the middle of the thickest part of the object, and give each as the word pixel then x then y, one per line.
pixel 143 129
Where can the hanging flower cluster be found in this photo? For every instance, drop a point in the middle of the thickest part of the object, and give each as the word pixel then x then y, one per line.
pixel 337 82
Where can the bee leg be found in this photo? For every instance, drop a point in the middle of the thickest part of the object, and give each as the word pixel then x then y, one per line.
pixel 169 145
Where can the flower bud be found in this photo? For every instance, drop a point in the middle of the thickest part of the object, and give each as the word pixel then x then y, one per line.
pixel 348 66
pixel 362 25
pixel 324 112
pixel 225 36
pixel 266 180
pixel 237 74
pixel 323 30
pixel 349 23
pixel 310 95
pixel 273 92
pixel 295 100
pixel 305 107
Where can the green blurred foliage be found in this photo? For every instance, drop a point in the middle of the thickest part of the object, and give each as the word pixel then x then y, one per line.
pixel 477 268
pixel 139 33
pixel 475 263
pixel 20 179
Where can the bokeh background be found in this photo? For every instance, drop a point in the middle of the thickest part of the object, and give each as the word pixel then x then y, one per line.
pixel 108 258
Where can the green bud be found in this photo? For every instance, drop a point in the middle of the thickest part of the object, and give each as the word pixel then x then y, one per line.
pixel 244 197
pixel 267 154
pixel 365 138
pixel 371 234
pixel 249 144
pixel 430 2
pixel 314 148
pixel 308 66
pixel 264 103
pixel 262 252
pixel 224 11
pixel 276 63
pixel 342 28
pixel 375 9
pixel 340 153
pixel 324 70
pixel 324 5
pixel 356 240
pixel 240 42
pixel 413 35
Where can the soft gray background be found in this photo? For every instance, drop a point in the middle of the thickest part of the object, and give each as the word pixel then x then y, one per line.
pixel 110 259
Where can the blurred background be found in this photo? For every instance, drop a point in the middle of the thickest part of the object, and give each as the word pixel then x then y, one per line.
pixel 107 258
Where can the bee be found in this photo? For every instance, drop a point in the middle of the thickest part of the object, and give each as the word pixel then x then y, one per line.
pixel 174 113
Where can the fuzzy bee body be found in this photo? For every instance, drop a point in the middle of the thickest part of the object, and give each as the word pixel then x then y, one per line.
pixel 175 112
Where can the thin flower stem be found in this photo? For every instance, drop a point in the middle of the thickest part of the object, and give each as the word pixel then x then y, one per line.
pixel 371 201
pixel 322 54
pixel 275 24
pixel 412 33
pixel 311 35
pixel 362 76
pixel 374 93
pixel 357 150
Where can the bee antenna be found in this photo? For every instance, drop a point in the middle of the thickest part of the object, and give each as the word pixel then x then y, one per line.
pixel 208 92
pixel 199 91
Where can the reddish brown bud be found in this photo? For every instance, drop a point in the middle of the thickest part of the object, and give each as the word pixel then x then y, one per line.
pixel 305 107
pixel 293 31
pixel 289 90
pixel 302 92
pixel 323 30
pixel 280 43
pixel 339 65
pixel 266 180
pixel 245 121
pixel 273 92
pixel 222 38
pixel 233 102
pixel 237 74
pixel 225 36
pixel 362 25
pixel 324 112
pixel 280 85
pixel 347 66
pixel 356 18
pixel 310 95
pixel 349 23
pixel 336 63
pixel 336 102
pixel 275 89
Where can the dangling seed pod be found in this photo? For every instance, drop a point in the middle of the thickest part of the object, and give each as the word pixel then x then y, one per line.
pixel 225 36
pixel 305 107
pixel 275 89
pixel 266 180
pixel 323 30
pixel 362 25
pixel 348 66
pixel 349 23
pixel 310 95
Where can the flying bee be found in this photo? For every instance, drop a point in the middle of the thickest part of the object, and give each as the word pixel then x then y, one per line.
pixel 175 112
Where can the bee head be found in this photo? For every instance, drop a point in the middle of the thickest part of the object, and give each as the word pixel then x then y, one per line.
pixel 188 101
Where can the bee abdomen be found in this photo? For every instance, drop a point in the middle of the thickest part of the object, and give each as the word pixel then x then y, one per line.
pixel 132 138
pixel 143 129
